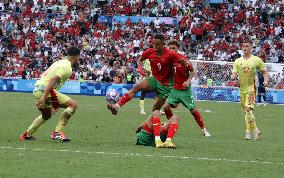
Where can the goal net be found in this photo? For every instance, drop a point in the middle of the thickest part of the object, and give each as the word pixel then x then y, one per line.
pixel 212 82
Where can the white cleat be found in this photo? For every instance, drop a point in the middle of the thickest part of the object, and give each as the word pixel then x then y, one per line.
pixel 143 112
pixel 256 134
pixel 206 133
pixel 248 136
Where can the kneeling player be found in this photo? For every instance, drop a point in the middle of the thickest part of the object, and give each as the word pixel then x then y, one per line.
pixel 154 133
pixel 48 96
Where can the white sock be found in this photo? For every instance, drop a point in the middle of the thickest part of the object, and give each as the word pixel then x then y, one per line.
pixel 157 138
pixel 169 139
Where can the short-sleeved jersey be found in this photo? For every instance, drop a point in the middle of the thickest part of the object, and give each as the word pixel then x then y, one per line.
pixel 61 68
pixel 181 73
pixel 246 70
pixel 161 66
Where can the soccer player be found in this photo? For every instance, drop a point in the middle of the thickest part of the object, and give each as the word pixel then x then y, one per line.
pixel 49 98
pixel 245 67
pixel 147 67
pixel 161 61
pixel 181 91
pixel 154 133
pixel 261 89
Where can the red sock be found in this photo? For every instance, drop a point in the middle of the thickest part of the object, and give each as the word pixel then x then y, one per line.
pixel 198 119
pixel 172 130
pixel 168 113
pixel 124 99
pixel 156 122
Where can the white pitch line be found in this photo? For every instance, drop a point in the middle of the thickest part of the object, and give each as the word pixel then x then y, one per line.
pixel 146 155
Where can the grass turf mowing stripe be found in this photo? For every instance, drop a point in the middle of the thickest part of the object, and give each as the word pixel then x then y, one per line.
pixel 146 155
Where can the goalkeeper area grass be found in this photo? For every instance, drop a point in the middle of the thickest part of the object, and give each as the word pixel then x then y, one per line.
pixel 103 145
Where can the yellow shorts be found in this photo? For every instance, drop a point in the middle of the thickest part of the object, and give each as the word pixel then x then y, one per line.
pixel 55 98
pixel 248 99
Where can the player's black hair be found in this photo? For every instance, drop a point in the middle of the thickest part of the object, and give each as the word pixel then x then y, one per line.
pixel 73 51
pixel 174 42
pixel 159 36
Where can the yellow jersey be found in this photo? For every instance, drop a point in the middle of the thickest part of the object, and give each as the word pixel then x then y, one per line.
pixel 246 70
pixel 61 68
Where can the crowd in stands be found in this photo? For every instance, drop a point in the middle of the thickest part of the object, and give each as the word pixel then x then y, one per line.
pixel 35 33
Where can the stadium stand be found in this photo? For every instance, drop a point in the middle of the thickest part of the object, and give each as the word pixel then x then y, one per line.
pixel 35 33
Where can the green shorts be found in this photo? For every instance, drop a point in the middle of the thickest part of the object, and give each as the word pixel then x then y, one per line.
pixel 160 90
pixel 182 96
pixel 148 139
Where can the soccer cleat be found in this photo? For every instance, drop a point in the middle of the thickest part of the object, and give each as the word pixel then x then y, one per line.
pixel 169 144
pixel 256 134
pixel 113 108
pixel 59 136
pixel 25 137
pixel 143 112
pixel 248 136
pixel 205 132
pixel 159 144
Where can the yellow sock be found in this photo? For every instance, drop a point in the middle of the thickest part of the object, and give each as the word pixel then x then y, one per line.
pixel 35 125
pixel 67 113
pixel 250 121
pixel 142 105
pixel 247 120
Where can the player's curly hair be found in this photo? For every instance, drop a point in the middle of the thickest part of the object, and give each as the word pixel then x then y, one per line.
pixel 174 42
pixel 73 51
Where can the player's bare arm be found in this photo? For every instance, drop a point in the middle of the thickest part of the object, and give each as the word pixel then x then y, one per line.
pixel 266 78
pixel 188 82
pixel 52 82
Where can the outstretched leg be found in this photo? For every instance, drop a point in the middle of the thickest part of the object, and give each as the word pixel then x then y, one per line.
pixel 142 86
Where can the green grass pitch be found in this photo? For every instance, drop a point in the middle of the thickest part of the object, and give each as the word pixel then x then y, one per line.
pixel 103 145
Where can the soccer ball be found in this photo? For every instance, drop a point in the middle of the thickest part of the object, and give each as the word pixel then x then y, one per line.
pixel 112 96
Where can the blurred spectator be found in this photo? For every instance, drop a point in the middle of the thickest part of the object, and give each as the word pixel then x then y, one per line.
pixel 34 34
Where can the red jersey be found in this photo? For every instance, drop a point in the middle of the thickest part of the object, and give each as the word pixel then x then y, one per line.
pixel 181 73
pixel 161 66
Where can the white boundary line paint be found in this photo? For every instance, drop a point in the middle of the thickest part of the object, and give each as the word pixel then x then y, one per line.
pixel 146 155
